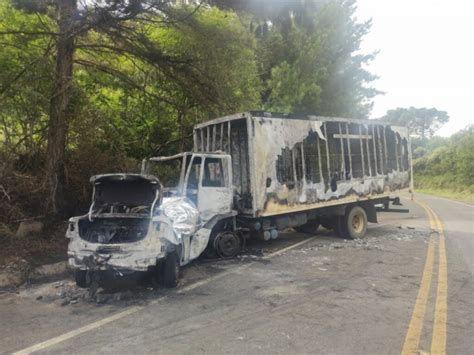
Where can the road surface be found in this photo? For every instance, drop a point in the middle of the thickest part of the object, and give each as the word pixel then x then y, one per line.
pixel 408 287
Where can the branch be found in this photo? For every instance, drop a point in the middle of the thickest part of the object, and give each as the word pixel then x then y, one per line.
pixel 157 148
pixel 25 69
pixel 34 33
pixel 123 77
pixel 5 193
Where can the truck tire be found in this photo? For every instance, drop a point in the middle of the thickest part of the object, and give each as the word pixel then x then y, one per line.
pixel 308 228
pixel 81 278
pixel 227 244
pixel 353 225
pixel 170 270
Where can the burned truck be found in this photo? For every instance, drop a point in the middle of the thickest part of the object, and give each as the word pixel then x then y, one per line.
pixel 254 174
pixel 249 175
pixel 130 228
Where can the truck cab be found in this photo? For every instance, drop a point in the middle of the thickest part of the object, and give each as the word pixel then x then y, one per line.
pixel 205 179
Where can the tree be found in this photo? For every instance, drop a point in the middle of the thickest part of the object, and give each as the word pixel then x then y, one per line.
pixel 25 82
pixel 309 56
pixel 59 110
pixel 326 76
pixel 423 121
pixel 113 21
pixel 129 81
pixel 448 164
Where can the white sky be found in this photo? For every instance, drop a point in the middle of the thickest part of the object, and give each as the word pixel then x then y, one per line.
pixel 426 56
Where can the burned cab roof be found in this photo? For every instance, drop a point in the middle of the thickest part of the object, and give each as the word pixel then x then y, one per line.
pixel 97 179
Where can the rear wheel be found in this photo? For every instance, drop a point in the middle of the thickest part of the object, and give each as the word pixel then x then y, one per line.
pixel 170 270
pixel 81 278
pixel 353 225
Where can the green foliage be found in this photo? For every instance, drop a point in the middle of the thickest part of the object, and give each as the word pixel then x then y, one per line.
pixel 140 84
pixel 422 121
pixel 449 166
pixel 25 81
pixel 420 146
pixel 320 72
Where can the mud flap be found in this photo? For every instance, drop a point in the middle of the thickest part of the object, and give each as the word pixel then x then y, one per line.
pixel 371 212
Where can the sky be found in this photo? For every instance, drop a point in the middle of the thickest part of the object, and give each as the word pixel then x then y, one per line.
pixel 425 56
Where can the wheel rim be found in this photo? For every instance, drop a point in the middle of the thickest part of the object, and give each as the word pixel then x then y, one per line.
pixel 357 223
pixel 227 244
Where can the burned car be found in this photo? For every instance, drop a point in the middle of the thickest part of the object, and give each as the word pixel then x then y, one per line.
pixel 130 228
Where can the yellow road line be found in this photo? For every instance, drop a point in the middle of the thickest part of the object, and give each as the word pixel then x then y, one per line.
pixel 438 341
pixel 412 339
pixel 73 333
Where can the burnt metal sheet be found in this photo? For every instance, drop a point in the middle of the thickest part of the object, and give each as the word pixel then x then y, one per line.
pixel 275 165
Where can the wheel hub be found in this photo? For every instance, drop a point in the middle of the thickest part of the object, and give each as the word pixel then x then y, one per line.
pixel 357 224
pixel 227 244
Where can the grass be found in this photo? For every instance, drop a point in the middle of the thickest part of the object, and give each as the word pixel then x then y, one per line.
pixel 464 196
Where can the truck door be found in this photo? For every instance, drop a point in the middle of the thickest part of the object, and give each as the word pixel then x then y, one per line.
pixel 215 194
pixel 193 178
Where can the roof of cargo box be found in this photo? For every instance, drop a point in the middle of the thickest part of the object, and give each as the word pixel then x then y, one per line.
pixel 279 115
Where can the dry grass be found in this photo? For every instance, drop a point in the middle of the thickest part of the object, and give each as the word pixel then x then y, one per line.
pixel 39 249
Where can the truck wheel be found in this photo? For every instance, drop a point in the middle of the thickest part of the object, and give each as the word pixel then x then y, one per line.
pixel 170 270
pixel 81 278
pixel 354 223
pixel 227 244
pixel 308 228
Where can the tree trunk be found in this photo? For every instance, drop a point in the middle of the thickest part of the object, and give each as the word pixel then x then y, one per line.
pixel 59 107
pixel 182 138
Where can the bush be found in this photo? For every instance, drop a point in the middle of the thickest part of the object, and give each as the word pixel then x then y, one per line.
pixel 449 166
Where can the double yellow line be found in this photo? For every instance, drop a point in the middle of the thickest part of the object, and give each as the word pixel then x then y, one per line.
pixel 438 340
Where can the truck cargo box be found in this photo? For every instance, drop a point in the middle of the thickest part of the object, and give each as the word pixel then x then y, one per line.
pixel 285 163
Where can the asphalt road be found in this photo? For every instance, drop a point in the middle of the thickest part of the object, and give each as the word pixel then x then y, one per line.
pixel 298 294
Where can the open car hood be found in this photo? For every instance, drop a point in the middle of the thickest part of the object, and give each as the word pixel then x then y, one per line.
pixel 125 189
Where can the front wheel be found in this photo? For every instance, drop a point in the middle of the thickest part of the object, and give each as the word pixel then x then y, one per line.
pixel 170 270
pixel 353 225
pixel 228 244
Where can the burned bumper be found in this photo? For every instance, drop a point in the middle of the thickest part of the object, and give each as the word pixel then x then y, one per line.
pixel 127 256
pixel 90 260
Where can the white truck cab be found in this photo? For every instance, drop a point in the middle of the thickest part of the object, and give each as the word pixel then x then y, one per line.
pixel 206 179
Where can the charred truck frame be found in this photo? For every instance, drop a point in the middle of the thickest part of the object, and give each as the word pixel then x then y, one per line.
pixel 249 175
pixel 256 173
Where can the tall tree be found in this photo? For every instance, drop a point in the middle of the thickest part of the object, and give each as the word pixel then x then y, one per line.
pixel 309 55
pixel 141 76
pixel 59 107
pixel 422 121
pixel 325 74
pixel 113 20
